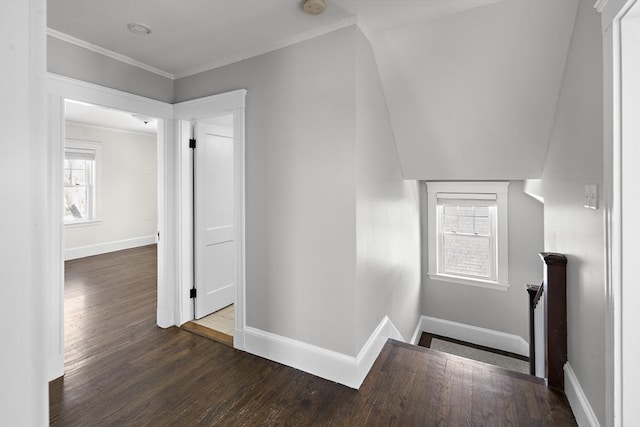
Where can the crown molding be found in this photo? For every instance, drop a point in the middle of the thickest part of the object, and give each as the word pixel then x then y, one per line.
pixel 250 53
pixel 106 52
pixel 600 5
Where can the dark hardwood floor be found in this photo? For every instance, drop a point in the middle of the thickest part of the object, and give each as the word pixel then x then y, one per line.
pixel 121 369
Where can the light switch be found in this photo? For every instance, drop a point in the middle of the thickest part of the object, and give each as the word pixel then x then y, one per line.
pixel 591 196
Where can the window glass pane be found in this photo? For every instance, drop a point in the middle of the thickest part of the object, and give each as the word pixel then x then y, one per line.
pixel 465 210
pixel 76 202
pixel 78 164
pixel 482 226
pixel 469 255
pixel 465 224
pixel 79 177
pixel 482 210
pixel 450 210
pixel 450 223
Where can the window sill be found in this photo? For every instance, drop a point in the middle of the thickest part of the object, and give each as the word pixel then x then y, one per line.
pixel 88 223
pixel 469 282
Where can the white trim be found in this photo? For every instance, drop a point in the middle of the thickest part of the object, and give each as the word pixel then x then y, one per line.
pixel 108 53
pixel 79 90
pixel 250 53
pixel 578 401
pixel 106 247
pixel 417 332
pixel 60 88
pixel 94 147
pixel 199 109
pixel 500 238
pixel 615 389
pixel 475 335
pixel 469 282
pixel 331 365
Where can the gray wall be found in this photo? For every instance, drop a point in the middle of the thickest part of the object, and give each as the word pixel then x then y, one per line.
pixel 301 210
pixel 332 227
pixel 387 213
pixel 505 311
pixel 575 158
pixel 79 63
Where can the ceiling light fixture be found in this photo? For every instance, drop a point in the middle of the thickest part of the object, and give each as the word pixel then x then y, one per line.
pixel 140 29
pixel 314 7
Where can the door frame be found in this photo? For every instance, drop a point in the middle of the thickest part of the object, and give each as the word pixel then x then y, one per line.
pixel 60 88
pixel 620 220
pixel 185 113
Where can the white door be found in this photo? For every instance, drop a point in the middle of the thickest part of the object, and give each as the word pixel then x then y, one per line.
pixel 214 232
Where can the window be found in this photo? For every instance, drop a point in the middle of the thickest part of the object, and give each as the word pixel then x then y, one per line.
pixel 81 182
pixel 467 233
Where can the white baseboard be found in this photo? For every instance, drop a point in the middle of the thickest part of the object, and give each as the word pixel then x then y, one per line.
pixel 338 367
pixel 578 400
pixel 417 333
pixel 103 248
pixel 475 335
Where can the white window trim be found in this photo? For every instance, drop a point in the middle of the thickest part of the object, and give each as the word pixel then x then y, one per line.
pixel 500 189
pixel 97 148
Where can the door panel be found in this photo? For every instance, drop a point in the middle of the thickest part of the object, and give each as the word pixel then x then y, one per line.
pixel 214 231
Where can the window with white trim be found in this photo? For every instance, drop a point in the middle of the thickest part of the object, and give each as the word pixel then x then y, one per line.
pixel 81 181
pixel 467 233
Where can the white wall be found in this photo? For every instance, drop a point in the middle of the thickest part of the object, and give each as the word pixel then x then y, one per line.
pixel 79 63
pixel 575 159
pixel 129 187
pixel 387 214
pixel 472 95
pixel 504 311
pixel 300 184
pixel 24 232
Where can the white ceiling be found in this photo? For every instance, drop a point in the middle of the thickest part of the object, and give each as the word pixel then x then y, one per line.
pixel 190 36
pixel 80 112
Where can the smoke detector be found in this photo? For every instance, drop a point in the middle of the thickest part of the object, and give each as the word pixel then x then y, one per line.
pixel 314 7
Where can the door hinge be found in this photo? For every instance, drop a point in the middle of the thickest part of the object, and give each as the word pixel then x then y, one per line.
pixel 193 293
pixel 192 143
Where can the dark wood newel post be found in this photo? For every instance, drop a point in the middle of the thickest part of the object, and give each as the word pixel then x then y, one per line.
pixel 555 297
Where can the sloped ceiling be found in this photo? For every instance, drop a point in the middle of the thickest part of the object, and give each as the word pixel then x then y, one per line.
pixel 472 96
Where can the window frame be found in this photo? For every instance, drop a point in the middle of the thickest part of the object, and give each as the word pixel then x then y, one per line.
pixel 96 149
pixel 499 241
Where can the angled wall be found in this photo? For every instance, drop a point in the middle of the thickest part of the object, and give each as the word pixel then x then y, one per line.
pixel 472 96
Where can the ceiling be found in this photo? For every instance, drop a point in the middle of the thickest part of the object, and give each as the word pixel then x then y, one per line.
pixel 204 34
pixel 80 112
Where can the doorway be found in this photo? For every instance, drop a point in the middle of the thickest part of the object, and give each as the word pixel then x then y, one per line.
pixel 110 225
pixel 60 89
pixel 212 234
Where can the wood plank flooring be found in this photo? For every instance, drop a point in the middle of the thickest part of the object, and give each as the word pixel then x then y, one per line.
pixel 122 370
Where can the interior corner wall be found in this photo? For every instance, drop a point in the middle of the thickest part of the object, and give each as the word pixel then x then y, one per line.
pixel 73 61
pixel 387 213
pixel 129 187
pixel 503 311
pixel 575 158
pixel 300 186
